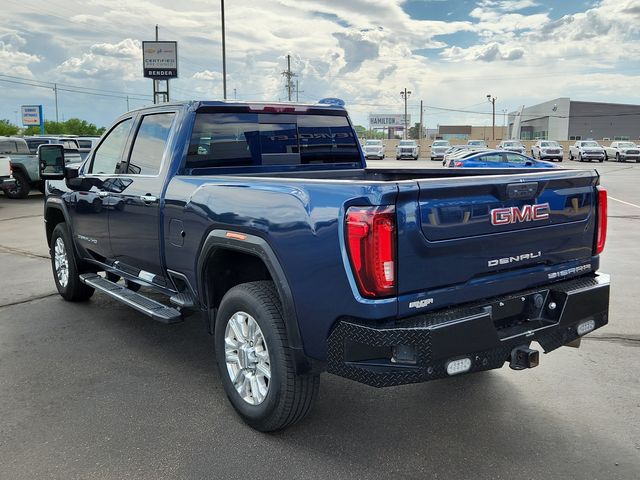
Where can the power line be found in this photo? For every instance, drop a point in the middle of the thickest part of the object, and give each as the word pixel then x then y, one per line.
pixel 71 90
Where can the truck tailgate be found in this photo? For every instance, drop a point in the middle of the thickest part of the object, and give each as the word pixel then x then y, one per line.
pixel 485 229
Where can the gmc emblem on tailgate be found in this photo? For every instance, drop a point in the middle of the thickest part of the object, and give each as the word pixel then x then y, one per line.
pixel 527 213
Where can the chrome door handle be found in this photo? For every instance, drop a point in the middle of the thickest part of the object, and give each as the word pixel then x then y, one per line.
pixel 148 198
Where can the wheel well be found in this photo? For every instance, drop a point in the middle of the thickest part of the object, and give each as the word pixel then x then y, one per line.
pixel 52 218
pixel 227 268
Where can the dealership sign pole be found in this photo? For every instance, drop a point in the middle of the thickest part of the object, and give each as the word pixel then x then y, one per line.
pixel 32 116
pixel 160 63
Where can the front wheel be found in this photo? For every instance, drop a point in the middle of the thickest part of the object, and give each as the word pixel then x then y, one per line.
pixel 256 366
pixel 64 264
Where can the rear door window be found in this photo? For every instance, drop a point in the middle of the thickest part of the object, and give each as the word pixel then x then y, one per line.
pixel 149 144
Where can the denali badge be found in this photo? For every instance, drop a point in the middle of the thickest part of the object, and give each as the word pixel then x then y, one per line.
pixel 528 213
pixel 517 258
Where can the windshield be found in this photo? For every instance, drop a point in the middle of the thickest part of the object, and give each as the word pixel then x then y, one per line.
pixel 626 145
pixel 476 142
pixel 512 144
pixel 407 143
pixel 549 144
pixel 374 143
pixel 590 144
pixel 440 144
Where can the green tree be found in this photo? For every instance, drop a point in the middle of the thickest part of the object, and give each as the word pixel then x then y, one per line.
pixel 73 126
pixel 7 128
pixel 414 131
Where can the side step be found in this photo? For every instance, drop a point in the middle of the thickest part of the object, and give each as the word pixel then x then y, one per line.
pixel 155 310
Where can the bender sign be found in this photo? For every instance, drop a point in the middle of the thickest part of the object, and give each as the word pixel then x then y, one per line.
pixel 160 60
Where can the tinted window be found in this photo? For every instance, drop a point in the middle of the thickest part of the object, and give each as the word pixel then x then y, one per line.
pixel 148 147
pixel 515 158
pixel 84 143
pixel 248 139
pixel 491 158
pixel 8 146
pixel 109 154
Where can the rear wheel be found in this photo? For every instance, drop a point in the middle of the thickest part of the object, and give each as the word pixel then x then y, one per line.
pixel 64 264
pixel 256 366
pixel 20 188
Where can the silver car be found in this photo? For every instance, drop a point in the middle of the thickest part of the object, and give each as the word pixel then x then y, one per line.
pixel 547 149
pixel 374 149
pixel 408 149
pixel 477 144
pixel 622 151
pixel 439 149
pixel 512 146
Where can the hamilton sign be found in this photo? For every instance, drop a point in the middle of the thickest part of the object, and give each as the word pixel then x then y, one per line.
pixel 160 60
pixel 388 120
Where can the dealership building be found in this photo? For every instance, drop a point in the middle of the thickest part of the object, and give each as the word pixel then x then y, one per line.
pixel 566 119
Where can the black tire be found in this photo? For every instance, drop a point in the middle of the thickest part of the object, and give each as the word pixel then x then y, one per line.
pixel 74 290
pixel 618 157
pixel 580 157
pixel 289 396
pixel 20 188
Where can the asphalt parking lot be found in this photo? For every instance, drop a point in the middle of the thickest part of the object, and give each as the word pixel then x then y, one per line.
pixel 97 390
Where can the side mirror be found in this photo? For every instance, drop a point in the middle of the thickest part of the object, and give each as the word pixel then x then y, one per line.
pixel 51 161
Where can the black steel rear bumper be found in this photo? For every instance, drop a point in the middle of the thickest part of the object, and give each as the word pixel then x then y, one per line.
pixel 418 349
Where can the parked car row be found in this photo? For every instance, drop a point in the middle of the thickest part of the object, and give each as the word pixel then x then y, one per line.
pixel 581 150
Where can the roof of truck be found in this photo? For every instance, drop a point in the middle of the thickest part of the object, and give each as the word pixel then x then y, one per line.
pixel 257 105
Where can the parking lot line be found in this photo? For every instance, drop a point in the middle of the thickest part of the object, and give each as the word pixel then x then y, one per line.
pixel 622 201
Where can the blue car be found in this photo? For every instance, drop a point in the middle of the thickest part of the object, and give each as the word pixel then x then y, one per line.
pixel 497 159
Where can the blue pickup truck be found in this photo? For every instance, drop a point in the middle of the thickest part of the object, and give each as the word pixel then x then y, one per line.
pixel 265 218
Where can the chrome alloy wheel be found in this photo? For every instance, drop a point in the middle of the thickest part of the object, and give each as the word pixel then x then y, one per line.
pixel 61 262
pixel 247 358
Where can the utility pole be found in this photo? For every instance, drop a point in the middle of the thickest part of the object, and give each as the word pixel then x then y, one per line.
pixel 127 103
pixel 421 118
pixel 55 92
pixel 492 101
pixel 405 96
pixel 235 94
pixel 297 91
pixel 224 55
pixel 289 76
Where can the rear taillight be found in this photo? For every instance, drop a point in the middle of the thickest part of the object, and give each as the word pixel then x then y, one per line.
pixel 601 235
pixel 10 169
pixel 371 243
pixel 458 164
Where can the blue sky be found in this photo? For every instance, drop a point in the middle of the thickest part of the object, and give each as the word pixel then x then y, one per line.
pixel 450 54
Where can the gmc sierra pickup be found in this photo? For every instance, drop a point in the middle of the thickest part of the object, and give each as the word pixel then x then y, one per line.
pixel 265 218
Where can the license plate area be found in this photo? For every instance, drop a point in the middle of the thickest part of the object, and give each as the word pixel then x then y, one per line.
pixel 526 314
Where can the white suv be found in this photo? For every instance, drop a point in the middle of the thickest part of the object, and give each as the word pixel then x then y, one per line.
pixel 408 149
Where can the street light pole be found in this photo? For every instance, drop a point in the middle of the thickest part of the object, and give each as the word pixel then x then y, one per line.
pixel 405 96
pixel 492 101
pixel 224 56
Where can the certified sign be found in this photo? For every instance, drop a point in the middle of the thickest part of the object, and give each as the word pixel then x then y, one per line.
pixel 31 115
pixel 160 60
pixel 386 120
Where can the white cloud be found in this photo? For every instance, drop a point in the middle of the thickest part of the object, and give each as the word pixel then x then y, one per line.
pixel 360 50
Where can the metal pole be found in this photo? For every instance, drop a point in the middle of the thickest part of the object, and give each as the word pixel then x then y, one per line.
pixel 289 75
pixel 406 123
pixel 55 91
pixel 224 56
pixel 127 103
pixel 421 118
pixel 297 91
pixel 493 103
pixel 155 82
